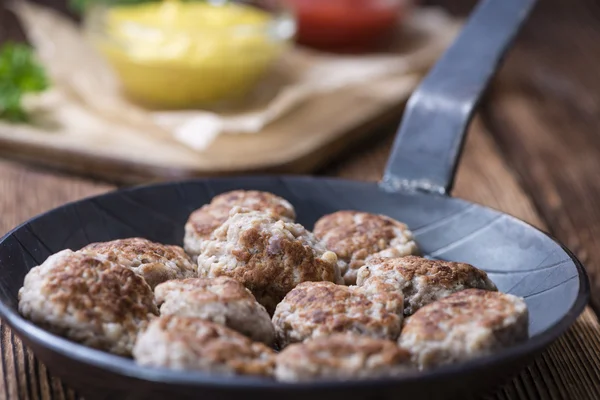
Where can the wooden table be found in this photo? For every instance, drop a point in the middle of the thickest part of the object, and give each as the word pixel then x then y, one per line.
pixel 533 152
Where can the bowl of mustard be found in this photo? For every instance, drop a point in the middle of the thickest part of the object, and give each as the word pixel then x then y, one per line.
pixel 176 54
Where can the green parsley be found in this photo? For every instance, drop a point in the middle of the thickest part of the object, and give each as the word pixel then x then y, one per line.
pixel 20 73
pixel 81 5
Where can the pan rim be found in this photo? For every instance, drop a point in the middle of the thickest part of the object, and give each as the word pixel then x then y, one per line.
pixel 128 368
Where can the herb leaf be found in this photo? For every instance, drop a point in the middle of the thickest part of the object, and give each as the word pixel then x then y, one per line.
pixel 20 73
pixel 81 5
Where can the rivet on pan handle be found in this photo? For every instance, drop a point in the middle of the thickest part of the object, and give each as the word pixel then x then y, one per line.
pixel 430 138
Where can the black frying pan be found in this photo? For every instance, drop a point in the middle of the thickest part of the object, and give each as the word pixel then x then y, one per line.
pixel 519 259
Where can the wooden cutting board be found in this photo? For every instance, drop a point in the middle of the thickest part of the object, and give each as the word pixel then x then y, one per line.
pixel 83 124
pixel 299 142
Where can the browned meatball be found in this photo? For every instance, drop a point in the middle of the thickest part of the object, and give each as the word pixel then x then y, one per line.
pixel 314 309
pixel 221 300
pixel 341 357
pixel 269 256
pixel 357 236
pixel 155 262
pixel 89 300
pixel 420 280
pixel 464 325
pixel 178 342
pixel 209 217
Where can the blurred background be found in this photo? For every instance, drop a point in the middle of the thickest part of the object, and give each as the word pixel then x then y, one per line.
pixel 151 117
pixel 551 71
pixel 97 95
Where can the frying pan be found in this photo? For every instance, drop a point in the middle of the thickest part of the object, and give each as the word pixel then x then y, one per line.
pixel 519 259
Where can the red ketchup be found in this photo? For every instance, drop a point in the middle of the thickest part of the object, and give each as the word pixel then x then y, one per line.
pixel 347 25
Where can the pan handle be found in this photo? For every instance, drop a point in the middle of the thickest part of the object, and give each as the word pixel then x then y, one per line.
pixel 430 138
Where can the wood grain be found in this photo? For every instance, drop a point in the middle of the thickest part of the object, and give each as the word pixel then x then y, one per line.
pixel 299 142
pixel 569 368
pixel 109 152
pixel 544 117
pixel 25 192
pixel 545 114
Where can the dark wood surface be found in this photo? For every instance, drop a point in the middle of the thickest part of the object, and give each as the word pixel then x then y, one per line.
pixel 534 152
pixel 544 112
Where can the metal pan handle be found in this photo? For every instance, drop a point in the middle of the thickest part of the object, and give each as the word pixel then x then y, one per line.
pixel 430 138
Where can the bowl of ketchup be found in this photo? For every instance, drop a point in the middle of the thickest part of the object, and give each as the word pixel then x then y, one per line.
pixel 347 25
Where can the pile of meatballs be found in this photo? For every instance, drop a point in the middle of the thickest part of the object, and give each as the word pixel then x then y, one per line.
pixel 255 293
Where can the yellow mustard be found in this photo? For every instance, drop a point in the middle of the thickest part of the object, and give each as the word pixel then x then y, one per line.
pixel 176 54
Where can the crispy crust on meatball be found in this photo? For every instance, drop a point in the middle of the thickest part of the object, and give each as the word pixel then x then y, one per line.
pixel 178 342
pixel 341 357
pixel 221 300
pixel 269 256
pixel 314 309
pixel 155 262
pixel 357 236
pixel 203 222
pixel 464 325
pixel 420 280
pixel 89 300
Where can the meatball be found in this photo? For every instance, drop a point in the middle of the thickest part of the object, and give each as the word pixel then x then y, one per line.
pixel 269 256
pixel 221 300
pixel 209 217
pixel 464 325
pixel 180 343
pixel 89 300
pixel 420 280
pixel 155 262
pixel 357 236
pixel 341 357
pixel 316 309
